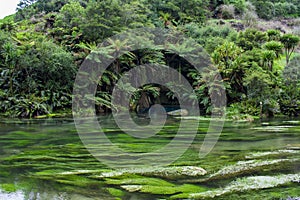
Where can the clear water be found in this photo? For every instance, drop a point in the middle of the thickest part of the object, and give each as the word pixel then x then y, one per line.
pixel 34 153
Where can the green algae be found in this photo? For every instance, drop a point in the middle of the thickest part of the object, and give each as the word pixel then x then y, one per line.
pixel 55 157
pixel 163 190
pixel 9 187
pixel 116 192
pixel 79 181
pixel 139 180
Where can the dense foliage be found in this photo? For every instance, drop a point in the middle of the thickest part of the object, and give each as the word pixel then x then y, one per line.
pixel 44 43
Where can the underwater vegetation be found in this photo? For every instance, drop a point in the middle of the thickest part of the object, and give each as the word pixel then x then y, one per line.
pixel 48 158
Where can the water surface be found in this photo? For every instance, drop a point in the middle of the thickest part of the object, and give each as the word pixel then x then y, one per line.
pixel 36 155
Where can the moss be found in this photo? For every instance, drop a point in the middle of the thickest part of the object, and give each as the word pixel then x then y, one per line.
pixel 153 186
pixel 163 190
pixel 9 187
pixel 192 188
pixel 236 136
pixel 4 173
pixel 115 192
pixel 139 180
pixel 78 181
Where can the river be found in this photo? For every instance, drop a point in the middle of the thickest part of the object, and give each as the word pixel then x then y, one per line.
pixel 46 160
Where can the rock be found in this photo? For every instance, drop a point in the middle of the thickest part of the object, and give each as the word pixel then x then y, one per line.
pixel 237 26
pixel 163 172
pixel 280 29
pixel 272 153
pixel 273 128
pixel 249 183
pixel 179 112
pixel 132 188
pixel 295 147
pixel 247 167
pixel 79 172
pixel 292 122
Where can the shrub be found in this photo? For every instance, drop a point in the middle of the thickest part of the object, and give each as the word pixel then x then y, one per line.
pixel 251 38
pixel 250 18
pixel 285 9
pixel 290 42
pixel 213 43
pixel 249 6
pixel 227 11
pixel 274 46
pixel 265 9
pixel 239 5
pixel 273 34
pixel 201 34
pixel 290 95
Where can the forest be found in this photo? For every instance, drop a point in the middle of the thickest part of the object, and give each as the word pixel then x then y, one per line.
pixel 254 45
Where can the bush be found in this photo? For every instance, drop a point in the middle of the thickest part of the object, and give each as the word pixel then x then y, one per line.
pixel 250 7
pixel 274 46
pixel 202 34
pixel 250 18
pixel 41 79
pixel 239 5
pixel 285 9
pixel 27 106
pixel 239 109
pixel 213 43
pixel 70 15
pixel 265 9
pixel 50 66
pixel 273 34
pixel 227 11
pixel 251 38
pixel 258 84
pixel 290 95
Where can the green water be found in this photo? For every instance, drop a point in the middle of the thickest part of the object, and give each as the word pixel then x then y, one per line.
pixel 45 159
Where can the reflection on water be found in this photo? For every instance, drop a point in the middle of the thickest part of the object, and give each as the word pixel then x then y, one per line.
pixel 19 195
pixel 35 155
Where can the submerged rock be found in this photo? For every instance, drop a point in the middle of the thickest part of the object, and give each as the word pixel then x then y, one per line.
pixel 79 172
pixel 292 122
pixel 132 188
pixel 293 146
pixel 179 112
pixel 163 172
pixel 247 167
pixel 249 183
pixel 273 128
pixel 272 153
